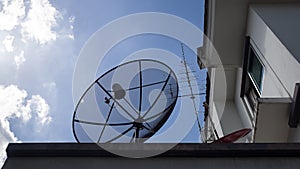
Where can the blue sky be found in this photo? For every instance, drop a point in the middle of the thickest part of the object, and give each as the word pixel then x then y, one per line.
pixel 38 55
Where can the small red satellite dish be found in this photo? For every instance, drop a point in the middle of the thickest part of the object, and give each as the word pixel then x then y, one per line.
pixel 232 137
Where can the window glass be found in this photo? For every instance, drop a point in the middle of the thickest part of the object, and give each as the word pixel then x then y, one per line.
pixel 255 69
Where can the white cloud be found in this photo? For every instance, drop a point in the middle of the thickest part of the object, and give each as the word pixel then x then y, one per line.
pixel 7 42
pixel 19 59
pixel 40 21
pixel 14 103
pixel 3 144
pixel 71 36
pixel 11 14
pixel 41 108
pixel 29 24
pixel 71 21
pixel 27 28
pixel 50 87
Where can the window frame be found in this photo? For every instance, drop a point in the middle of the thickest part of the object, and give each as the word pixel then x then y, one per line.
pixel 250 91
pixel 245 74
pixel 257 86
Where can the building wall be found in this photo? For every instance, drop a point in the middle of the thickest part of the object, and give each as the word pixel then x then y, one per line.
pixel 92 156
pixel 282 70
pixel 229 26
pixel 272 121
pixel 283 19
pixel 151 163
pixel 226 27
pixel 274 31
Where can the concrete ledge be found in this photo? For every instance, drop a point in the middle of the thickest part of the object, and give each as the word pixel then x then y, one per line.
pixel 180 150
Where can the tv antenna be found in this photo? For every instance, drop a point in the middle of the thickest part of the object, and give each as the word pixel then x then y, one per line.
pixel 129 103
pixel 189 80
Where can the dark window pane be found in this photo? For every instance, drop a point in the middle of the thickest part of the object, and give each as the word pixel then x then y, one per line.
pixel 255 69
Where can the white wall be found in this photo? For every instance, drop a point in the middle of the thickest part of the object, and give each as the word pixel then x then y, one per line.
pixel 273 38
pixel 272 120
pixel 282 70
pixel 267 46
pixel 283 19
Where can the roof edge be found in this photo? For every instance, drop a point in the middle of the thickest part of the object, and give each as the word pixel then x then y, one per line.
pixel 180 150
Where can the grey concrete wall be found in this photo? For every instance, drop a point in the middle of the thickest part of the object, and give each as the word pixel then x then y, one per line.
pixel 151 163
pixel 208 156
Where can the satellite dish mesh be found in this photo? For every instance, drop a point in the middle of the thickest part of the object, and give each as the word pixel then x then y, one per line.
pixel 128 103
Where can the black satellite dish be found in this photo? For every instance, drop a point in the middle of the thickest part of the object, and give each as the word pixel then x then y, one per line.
pixel 128 103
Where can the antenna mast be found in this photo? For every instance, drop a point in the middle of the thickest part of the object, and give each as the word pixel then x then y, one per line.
pixel 191 90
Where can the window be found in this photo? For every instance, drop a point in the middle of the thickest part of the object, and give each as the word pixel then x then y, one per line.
pixel 252 77
pixel 255 69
